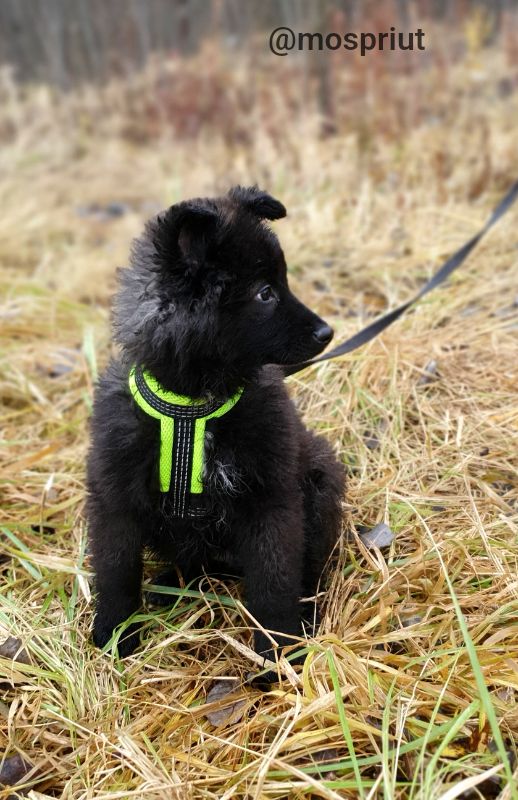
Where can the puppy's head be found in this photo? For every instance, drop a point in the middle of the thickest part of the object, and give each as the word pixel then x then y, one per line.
pixel 208 288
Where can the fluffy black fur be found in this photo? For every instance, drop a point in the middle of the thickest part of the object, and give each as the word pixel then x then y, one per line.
pixel 205 307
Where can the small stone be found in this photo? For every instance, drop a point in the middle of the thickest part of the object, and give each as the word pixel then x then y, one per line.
pixel 102 213
pixel 116 209
pixel 227 714
pixel 371 438
pixel 415 619
pixel 13 769
pixel 371 442
pixel 57 370
pixel 12 648
pixel 429 374
pixel 379 536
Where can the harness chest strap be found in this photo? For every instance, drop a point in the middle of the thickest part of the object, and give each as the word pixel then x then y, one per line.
pixel 182 437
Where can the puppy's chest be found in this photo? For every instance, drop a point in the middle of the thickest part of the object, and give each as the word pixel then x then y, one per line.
pixel 222 474
pixel 204 488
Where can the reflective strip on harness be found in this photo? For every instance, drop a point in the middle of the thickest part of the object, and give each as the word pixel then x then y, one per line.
pixel 182 436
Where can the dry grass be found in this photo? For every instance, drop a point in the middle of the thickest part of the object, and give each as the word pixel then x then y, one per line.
pixel 411 686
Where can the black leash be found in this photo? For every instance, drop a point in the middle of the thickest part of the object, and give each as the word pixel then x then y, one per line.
pixel 379 325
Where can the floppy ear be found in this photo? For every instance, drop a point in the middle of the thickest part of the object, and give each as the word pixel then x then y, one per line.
pixel 258 202
pixel 185 230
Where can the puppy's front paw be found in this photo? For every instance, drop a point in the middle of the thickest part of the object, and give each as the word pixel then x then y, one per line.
pixel 263 646
pixel 127 643
pixel 167 578
pixel 264 681
pixel 311 618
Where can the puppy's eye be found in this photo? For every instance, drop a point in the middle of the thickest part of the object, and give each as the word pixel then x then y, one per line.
pixel 265 295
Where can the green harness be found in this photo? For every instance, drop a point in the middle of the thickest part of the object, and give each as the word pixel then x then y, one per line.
pixel 182 438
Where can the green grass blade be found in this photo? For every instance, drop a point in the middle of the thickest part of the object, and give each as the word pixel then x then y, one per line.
pixel 343 720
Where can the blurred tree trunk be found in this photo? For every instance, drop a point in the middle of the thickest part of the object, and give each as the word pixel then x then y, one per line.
pixel 323 64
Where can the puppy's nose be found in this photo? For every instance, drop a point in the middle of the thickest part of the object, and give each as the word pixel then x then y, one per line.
pixel 323 334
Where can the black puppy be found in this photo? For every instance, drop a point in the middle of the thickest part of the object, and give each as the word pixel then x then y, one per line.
pixel 197 451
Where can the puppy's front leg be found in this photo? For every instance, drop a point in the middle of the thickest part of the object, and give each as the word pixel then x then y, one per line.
pixel 116 552
pixel 272 553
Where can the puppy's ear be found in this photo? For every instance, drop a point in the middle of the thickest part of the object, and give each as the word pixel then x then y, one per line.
pixel 258 202
pixel 186 229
